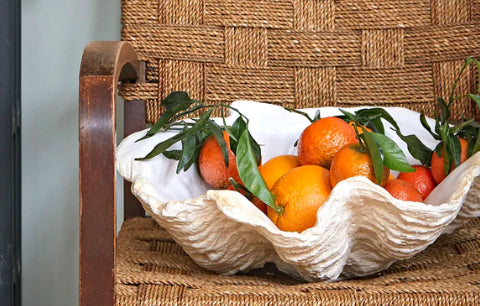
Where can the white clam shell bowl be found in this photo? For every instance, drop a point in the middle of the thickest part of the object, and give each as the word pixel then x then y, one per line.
pixel 361 229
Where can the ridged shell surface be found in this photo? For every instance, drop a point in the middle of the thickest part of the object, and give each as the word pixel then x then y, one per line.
pixel 361 229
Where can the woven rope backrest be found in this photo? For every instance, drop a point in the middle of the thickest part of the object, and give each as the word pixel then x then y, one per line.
pixel 304 53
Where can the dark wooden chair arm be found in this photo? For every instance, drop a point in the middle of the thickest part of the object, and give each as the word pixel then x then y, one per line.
pixel 103 65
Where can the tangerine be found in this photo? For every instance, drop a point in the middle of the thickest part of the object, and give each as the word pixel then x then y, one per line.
pixel 403 190
pixel 421 179
pixel 353 160
pixel 436 163
pixel 320 141
pixel 299 193
pixel 274 168
pixel 212 164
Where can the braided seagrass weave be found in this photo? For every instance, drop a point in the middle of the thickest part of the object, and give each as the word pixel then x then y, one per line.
pixel 153 270
pixel 304 53
pixel 301 53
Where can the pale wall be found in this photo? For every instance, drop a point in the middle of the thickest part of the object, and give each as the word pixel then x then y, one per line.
pixel 54 33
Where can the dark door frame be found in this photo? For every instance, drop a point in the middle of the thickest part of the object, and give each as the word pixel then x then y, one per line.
pixel 10 169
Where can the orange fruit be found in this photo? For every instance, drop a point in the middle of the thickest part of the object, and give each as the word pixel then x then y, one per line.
pixel 256 201
pixel 212 164
pixel 421 179
pixel 436 163
pixel 403 190
pixel 320 141
pixel 299 193
pixel 274 168
pixel 353 160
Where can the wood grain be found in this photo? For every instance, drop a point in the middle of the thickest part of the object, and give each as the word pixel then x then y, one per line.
pixel 103 65
pixel 134 120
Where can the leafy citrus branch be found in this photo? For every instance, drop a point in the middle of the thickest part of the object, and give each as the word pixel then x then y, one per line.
pixel 193 134
pixel 447 134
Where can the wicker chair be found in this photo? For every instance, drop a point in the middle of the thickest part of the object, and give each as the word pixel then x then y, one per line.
pixel 298 53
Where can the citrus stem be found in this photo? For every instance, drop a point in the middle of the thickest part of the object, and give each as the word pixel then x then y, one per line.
pixel 234 109
pixel 361 142
pixel 278 209
pixel 300 113
pixel 468 61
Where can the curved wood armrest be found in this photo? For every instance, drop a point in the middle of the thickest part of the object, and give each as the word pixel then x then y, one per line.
pixel 103 65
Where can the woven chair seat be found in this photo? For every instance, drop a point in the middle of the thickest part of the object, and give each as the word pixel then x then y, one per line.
pixel 153 270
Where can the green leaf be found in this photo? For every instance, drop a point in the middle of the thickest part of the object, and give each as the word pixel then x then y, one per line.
pixel 237 129
pixel 187 112
pixel 367 114
pixel 475 98
pixel 476 147
pixel 173 103
pixel 257 151
pixel 189 146
pixel 455 149
pixel 377 112
pixel 446 158
pixel 173 154
pixel 469 135
pixel 240 188
pixel 194 158
pixel 416 148
pixel 227 129
pixel 177 101
pixel 444 110
pixel 423 121
pixel 347 116
pixel 462 126
pixel 249 173
pixel 371 117
pixel 469 60
pixel 393 156
pixel 164 145
pixel 445 151
pixel 467 63
pixel 376 125
pixel 374 155
pixel 438 149
pixel 157 126
pixel 218 134
pixel 437 124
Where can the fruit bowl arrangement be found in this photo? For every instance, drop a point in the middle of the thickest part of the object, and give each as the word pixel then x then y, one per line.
pixel 295 218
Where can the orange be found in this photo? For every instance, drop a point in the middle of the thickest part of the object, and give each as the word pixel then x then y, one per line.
pixel 299 193
pixel 436 162
pixel 421 179
pixel 273 169
pixel 320 141
pixel 256 201
pixel 212 164
pixel 403 190
pixel 353 160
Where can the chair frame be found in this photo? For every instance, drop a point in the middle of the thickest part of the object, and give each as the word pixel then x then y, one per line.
pixel 103 65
